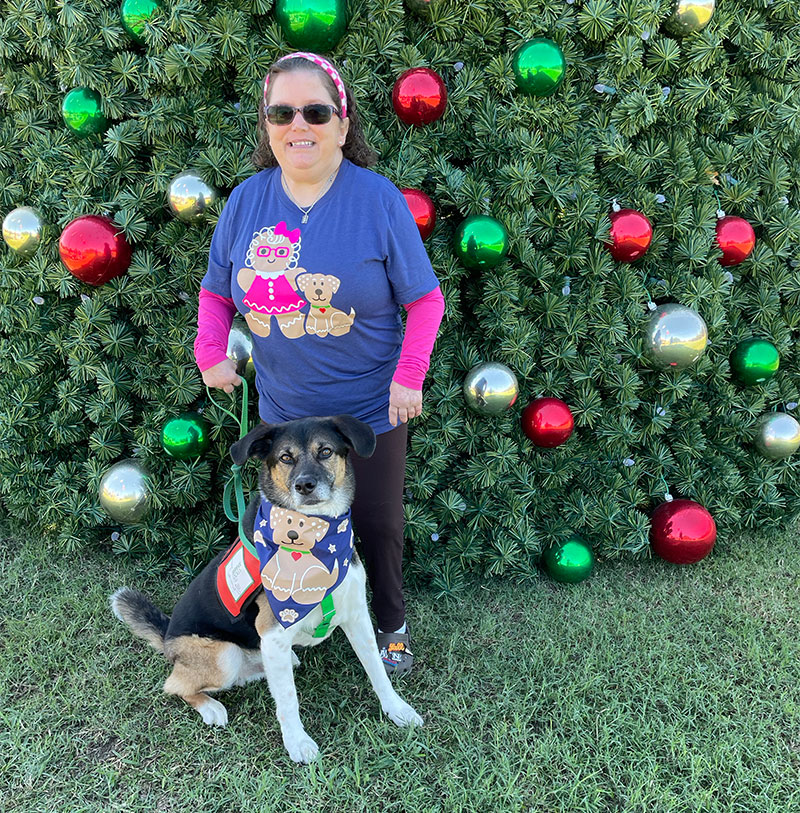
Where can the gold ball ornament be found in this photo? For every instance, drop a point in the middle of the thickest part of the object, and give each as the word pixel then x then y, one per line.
pixel 125 491
pixel 777 436
pixel 490 388
pixel 676 336
pixel 22 230
pixel 240 349
pixel 689 16
pixel 189 196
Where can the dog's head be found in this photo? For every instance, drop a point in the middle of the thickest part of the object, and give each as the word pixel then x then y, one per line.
pixel 306 465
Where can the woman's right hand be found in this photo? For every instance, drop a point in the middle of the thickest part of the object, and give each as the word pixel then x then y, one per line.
pixel 222 376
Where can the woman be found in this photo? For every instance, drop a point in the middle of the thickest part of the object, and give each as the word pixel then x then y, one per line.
pixel 330 250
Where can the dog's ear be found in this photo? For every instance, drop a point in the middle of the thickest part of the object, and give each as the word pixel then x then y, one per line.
pixel 256 443
pixel 360 436
pixel 301 283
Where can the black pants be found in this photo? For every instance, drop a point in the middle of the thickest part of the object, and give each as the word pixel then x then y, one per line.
pixel 378 523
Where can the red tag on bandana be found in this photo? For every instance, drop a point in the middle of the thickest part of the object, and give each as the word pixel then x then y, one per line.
pixel 238 578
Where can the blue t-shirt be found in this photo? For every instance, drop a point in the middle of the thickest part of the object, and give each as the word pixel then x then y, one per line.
pixel 322 299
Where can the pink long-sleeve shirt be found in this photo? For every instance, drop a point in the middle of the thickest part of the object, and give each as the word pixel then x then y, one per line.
pixel 215 316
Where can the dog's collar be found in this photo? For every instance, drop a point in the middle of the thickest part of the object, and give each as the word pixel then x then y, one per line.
pixel 295 585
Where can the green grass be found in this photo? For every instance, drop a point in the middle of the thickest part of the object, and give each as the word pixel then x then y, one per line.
pixel 649 688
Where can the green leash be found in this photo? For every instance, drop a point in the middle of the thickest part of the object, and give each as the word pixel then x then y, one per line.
pixel 234 487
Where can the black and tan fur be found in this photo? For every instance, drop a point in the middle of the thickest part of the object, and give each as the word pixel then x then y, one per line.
pixel 305 467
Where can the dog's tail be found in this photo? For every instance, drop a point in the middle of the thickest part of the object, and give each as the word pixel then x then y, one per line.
pixel 141 615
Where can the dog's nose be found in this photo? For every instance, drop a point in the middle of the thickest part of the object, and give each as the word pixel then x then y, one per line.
pixel 318 291
pixel 305 485
pixel 293 535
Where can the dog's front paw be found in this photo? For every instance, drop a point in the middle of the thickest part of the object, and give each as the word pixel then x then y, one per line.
pixel 295 660
pixel 301 748
pixel 402 714
pixel 213 712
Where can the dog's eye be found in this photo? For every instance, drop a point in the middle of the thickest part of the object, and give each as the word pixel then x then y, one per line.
pixel 286 458
pixel 326 452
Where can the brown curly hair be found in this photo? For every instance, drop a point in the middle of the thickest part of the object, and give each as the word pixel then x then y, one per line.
pixel 355 147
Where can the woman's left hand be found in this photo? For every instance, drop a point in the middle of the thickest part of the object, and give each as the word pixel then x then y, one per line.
pixel 404 403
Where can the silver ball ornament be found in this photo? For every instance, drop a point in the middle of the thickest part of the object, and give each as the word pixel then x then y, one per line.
pixel 689 16
pixel 189 196
pixel 675 336
pixel 490 388
pixel 22 230
pixel 240 349
pixel 777 436
pixel 125 491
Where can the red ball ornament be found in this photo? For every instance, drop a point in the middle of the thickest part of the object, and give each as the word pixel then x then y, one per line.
pixel 419 96
pixel 94 249
pixel 422 209
pixel 735 238
pixel 631 233
pixel 547 422
pixel 682 532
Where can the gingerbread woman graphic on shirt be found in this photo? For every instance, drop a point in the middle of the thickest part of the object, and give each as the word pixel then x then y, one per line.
pixel 268 281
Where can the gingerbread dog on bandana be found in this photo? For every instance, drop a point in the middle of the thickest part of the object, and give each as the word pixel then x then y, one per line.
pixel 294 572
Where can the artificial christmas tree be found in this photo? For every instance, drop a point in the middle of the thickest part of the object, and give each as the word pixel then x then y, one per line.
pixel 674 127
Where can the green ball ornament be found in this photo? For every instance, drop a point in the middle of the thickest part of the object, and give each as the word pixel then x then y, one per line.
pixel 754 361
pixel 82 112
pixel 134 14
pixel 481 242
pixel 539 67
pixel 186 437
pixel 569 562
pixel 312 25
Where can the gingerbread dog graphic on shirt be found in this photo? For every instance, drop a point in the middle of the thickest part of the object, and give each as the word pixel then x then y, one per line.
pixel 268 281
pixel 322 318
pixel 294 572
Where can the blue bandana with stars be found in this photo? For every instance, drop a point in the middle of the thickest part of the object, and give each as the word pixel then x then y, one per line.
pixel 302 558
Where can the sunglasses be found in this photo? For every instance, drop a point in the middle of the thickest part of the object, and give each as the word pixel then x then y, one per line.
pixel 313 113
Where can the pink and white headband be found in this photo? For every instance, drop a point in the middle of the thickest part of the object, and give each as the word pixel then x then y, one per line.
pixel 326 66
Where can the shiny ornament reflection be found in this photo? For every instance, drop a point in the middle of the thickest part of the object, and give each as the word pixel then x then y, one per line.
pixel 240 349
pixel 134 14
pixel 94 250
pixel 22 230
pixel 125 491
pixel 422 210
pixel 189 196
pixel 754 361
pixel 735 238
pixel 419 96
pixel 186 437
pixel 777 435
pixel 82 112
pixel 690 16
pixel 547 422
pixel 539 67
pixel 682 532
pixel 675 336
pixel 312 25
pixel 631 234
pixel 481 242
pixel 490 388
pixel 569 562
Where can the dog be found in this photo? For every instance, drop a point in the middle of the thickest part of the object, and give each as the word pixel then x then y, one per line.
pixel 306 473
pixel 322 317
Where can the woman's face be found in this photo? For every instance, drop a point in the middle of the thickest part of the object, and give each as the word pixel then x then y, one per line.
pixel 300 146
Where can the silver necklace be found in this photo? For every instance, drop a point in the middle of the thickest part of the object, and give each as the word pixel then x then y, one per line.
pixel 307 209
